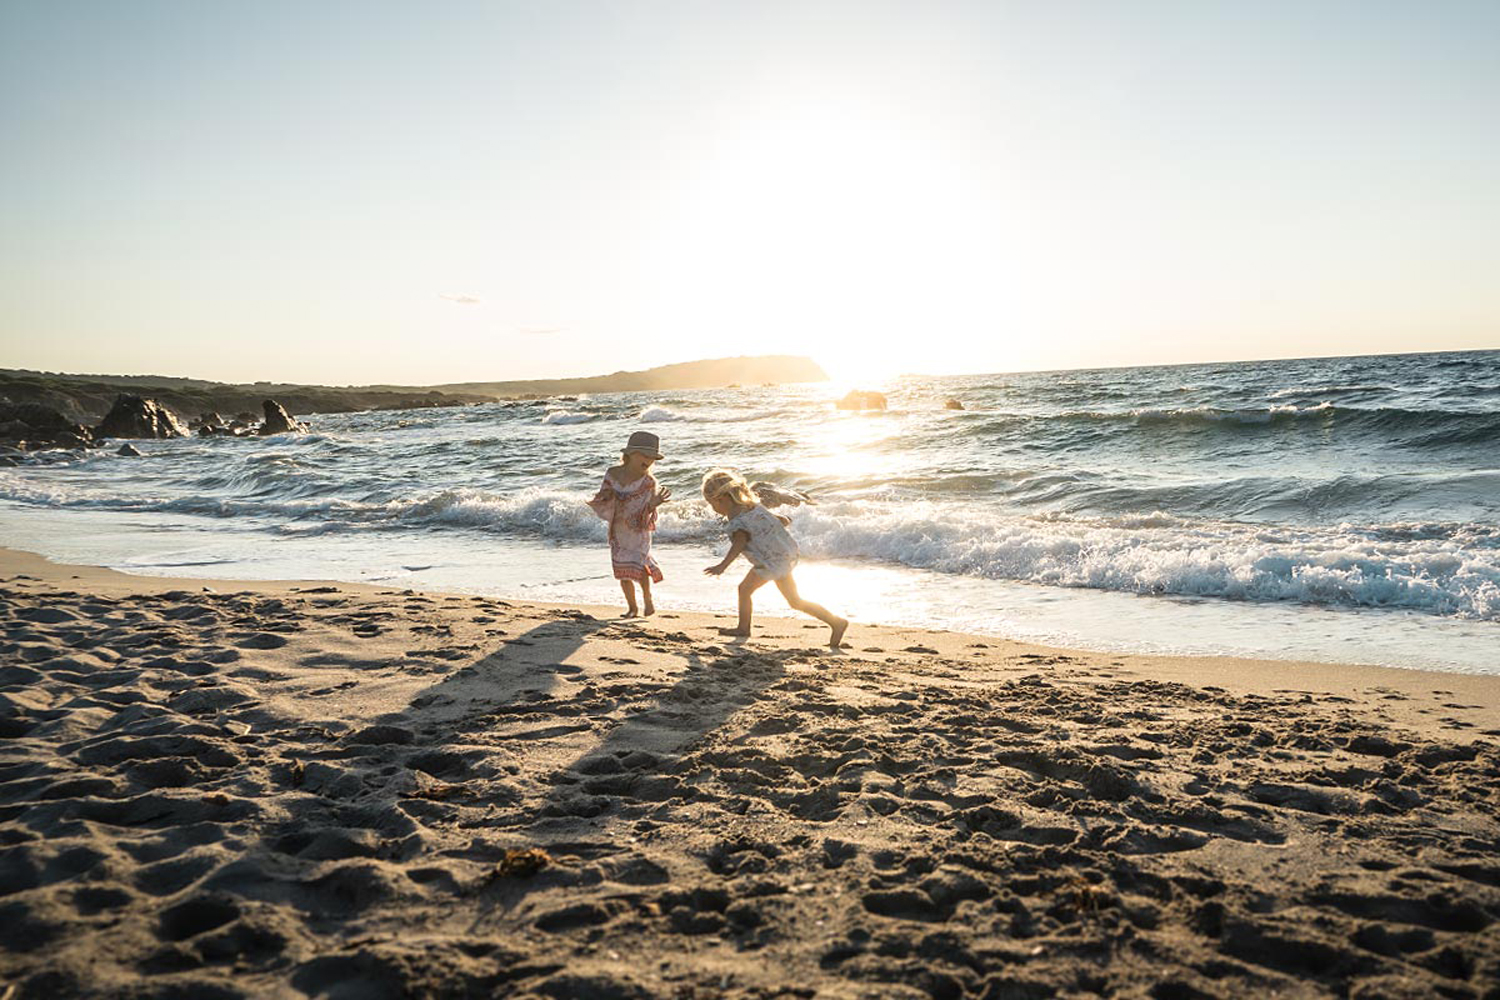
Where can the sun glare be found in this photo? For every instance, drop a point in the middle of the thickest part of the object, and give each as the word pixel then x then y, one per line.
pixel 851 445
pixel 831 230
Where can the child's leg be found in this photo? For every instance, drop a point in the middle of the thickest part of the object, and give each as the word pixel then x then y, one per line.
pixel 646 605
pixel 788 588
pixel 752 582
pixel 629 589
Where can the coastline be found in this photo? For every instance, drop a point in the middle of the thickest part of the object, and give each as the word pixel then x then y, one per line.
pixel 1238 674
pixel 573 575
pixel 247 788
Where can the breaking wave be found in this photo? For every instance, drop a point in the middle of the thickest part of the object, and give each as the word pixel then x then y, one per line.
pixel 1364 483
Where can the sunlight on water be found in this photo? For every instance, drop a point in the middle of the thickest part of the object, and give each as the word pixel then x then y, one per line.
pixel 855 446
pixel 1343 508
pixel 158 545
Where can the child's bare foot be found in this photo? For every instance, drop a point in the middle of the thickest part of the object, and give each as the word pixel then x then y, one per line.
pixel 836 639
pixel 650 608
pixel 742 633
pixel 631 613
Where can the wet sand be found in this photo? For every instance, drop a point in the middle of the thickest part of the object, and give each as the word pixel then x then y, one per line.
pixel 216 790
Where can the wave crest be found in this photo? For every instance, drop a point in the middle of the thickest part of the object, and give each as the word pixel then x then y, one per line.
pixel 567 417
pixel 1443 572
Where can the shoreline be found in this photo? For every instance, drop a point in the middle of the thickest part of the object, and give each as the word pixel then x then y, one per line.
pixel 1235 673
pixel 1079 619
pixel 312 788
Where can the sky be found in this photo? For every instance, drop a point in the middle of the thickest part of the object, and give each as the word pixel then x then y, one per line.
pixel 352 193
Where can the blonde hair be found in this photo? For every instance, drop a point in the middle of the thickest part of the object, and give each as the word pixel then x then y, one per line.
pixel 722 482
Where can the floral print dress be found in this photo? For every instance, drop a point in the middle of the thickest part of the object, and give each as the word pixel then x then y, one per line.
pixel 771 550
pixel 632 519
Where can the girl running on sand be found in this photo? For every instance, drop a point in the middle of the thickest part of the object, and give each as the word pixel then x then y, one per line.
pixel 763 540
pixel 628 501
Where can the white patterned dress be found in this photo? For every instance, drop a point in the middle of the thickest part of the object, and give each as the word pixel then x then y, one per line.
pixel 771 549
pixel 632 519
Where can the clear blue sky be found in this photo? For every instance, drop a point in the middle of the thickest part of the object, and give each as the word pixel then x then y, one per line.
pixel 382 192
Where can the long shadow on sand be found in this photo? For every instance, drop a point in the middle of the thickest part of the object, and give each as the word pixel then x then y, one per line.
pixel 524 701
pixel 519 748
pixel 525 695
pixel 602 749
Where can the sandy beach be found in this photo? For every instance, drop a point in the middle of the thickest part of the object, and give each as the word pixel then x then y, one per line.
pixel 216 790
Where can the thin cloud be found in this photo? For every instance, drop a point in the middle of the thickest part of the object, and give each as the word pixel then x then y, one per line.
pixel 537 331
pixel 463 300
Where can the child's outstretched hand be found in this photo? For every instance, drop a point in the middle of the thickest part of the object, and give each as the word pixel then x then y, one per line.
pixel 660 497
pixel 714 570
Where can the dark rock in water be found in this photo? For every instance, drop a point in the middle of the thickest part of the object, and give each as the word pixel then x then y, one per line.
pixel 953 404
pixel 33 426
pixel 278 421
pixel 862 399
pixel 771 495
pixel 129 450
pixel 36 416
pixel 138 417
pixel 209 419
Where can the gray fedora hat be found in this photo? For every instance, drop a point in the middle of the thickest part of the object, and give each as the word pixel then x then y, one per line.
pixel 646 443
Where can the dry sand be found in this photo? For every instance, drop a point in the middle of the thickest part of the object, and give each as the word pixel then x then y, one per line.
pixel 213 790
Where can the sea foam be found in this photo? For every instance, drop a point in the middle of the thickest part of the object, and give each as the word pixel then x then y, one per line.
pixel 1358 483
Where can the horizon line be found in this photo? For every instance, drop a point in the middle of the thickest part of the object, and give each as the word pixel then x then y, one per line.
pixel 807 357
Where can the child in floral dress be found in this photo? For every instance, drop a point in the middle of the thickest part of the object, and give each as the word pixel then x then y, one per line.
pixel 628 501
pixel 761 537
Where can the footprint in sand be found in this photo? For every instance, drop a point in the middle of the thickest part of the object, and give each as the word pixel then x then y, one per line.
pixel 196 916
pixel 261 640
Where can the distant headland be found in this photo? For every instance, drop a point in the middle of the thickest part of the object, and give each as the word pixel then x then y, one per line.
pixel 87 398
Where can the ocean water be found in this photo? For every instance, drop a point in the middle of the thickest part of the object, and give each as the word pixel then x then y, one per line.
pixel 1343 509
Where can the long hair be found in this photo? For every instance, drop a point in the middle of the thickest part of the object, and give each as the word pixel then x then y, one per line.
pixel 722 482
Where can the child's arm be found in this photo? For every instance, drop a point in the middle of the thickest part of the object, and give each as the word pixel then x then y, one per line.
pixel 737 544
pixel 603 503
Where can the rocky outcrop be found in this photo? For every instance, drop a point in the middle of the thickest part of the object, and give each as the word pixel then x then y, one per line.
pixel 953 404
pixel 208 423
pixel 138 417
pixel 709 374
pixel 278 421
pixel 862 399
pixel 129 450
pixel 29 426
